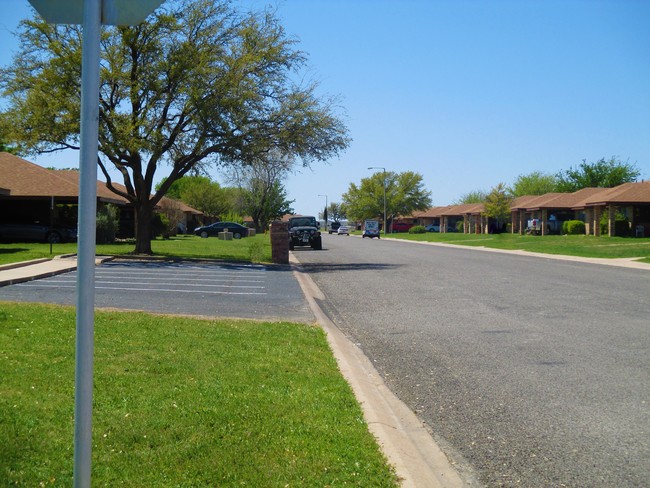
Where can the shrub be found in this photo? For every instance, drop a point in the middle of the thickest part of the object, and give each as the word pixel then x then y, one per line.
pixel 160 224
pixel 107 224
pixel 621 224
pixel 417 229
pixel 233 217
pixel 573 227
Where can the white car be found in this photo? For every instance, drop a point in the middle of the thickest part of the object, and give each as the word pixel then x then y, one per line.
pixel 343 230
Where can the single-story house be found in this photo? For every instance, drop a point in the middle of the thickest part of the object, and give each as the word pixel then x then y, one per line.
pixel 32 193
pixel 632 200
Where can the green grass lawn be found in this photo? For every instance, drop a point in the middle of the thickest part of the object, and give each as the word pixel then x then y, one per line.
pixel 181 402
pixel 258 248
pixel 585 246
pixel 250 249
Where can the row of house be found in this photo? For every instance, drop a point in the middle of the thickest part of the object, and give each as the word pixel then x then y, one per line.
pixel 629 200
pixel 30 193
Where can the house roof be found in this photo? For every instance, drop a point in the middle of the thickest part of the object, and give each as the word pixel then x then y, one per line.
pixel 622 194
pixel 463 209
pixel 21 178
pixel 103 193
pixel 25 179
pixel 521 203
pixel 564 200
pixel 429 213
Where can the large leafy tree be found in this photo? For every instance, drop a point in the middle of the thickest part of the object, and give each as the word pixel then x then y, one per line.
pixel 535 183
pixel 263 196
pixel 201 193
pixel 476 196
pixel 601 174
pixel 498 202
pixel 198 84
pixel 405 193
pixel 335 211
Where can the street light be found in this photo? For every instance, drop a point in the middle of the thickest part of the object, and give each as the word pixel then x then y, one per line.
pixel 325 212
pixel 384 170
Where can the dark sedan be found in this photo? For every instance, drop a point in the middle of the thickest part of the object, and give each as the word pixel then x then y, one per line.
pixel 36 231
pixel 238 230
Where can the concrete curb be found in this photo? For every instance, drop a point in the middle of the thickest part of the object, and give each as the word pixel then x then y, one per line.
pixel 418 460
pixel 14 273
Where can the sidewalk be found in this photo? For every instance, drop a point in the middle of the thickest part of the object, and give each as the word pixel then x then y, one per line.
pixel 13 273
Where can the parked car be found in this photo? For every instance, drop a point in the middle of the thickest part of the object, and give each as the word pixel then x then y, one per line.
pixel 400 227
pixel 304 231
pixel 432 228
pixel 333 227
pixel 343 230
pixel 36 231
pixel 238 230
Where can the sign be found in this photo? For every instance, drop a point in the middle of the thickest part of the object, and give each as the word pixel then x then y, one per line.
pixel 114 12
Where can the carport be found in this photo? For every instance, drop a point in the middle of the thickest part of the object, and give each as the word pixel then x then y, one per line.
pixel 630 199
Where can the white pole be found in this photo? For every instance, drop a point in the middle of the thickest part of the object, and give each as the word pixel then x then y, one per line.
pixel 86 242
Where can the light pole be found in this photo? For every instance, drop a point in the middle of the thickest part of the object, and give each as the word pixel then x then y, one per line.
pixel 384 170
pixel 325 212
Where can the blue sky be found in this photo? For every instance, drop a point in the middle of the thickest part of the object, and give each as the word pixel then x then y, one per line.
pixel 467 93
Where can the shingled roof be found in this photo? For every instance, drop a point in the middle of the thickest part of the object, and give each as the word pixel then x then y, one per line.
pixel 627 193
pixel 22 178
pixel 564 200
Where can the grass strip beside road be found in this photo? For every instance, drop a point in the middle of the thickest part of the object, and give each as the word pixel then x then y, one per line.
pixel 181 402
pixel 582 246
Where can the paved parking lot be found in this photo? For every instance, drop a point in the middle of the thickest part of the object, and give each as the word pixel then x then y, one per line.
pixel 206 289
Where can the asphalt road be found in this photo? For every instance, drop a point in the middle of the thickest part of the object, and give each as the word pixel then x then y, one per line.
pixel 190 288
pixel 530 372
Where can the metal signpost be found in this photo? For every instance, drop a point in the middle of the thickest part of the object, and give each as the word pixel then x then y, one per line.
pixel 91 14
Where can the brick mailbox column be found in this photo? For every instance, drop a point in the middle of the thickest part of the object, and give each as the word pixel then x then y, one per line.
pixel 280 242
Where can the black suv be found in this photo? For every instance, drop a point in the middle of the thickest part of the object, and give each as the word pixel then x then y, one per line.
pixel 304 231
pixel 334 227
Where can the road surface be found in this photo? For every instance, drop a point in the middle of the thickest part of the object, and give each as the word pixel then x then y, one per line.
pixel 529 371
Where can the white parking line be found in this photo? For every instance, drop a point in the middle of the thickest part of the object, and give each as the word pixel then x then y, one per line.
pixel 199 280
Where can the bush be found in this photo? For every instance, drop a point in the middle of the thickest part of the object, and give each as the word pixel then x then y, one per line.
pixel 233 217
pixel 417 229
pixel 107 224
pixel 621 224
pixel 160 224
pixel 573 227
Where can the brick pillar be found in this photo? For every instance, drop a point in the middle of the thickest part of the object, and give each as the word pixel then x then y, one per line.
pixel 280 242
pixel 596 216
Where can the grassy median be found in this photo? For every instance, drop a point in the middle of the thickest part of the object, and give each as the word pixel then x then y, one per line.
pixel 181 402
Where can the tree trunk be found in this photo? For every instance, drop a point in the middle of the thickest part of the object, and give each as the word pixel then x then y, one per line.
pixel 143 228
